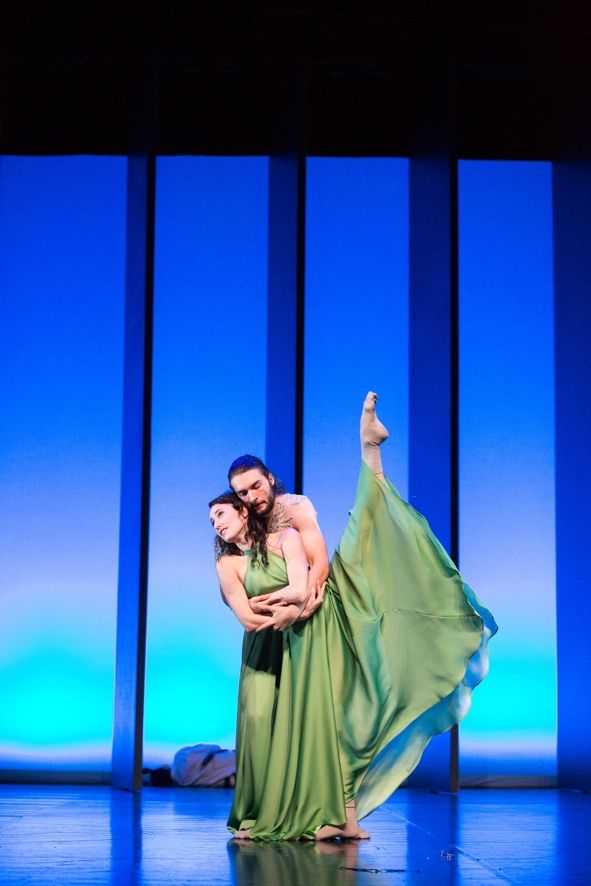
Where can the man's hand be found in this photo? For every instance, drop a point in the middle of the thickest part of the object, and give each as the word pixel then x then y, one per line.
pixel 264 604
pixel 316 589
pixel 259 604
pixel 314 601
pixel 282 617
pixel 284 597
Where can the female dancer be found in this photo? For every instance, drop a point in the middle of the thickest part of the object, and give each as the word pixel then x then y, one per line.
pixel 335 711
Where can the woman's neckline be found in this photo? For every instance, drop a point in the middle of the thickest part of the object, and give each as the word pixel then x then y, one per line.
pixel 248 553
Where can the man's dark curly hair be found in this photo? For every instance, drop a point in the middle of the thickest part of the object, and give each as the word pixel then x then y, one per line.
pixel 256 531
pixel 245 463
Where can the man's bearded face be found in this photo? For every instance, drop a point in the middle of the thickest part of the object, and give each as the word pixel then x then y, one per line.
pixel 255 490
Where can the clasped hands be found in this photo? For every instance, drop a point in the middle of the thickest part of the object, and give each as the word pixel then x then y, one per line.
pixel 282 611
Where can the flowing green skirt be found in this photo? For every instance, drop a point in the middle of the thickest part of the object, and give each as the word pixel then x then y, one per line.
pixel 342 706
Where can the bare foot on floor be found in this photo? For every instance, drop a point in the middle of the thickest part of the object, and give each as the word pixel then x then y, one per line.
pixel 349 831
pixel 331 832
pixel 242 835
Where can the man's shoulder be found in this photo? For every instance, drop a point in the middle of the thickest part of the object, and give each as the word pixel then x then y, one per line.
pixel 297 507
pixel 289 499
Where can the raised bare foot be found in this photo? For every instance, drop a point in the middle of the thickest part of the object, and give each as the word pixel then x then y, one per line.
pixel 371 429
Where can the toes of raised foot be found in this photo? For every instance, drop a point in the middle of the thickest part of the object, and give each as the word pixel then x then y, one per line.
pixel 370 400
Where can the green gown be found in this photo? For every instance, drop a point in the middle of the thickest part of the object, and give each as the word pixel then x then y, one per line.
pixel 341 706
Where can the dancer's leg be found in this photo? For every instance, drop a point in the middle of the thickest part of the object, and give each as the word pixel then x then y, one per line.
pixel 372 433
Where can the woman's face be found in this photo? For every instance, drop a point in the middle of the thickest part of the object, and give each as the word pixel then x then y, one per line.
pixel 229 523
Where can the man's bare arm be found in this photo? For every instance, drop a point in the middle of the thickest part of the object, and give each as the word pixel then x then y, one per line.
pixel 303 518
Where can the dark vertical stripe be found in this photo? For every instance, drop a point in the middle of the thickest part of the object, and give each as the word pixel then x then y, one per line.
pixel 433 281
pixel 135 477
pixel 300 327
pixel 286 261
pixel 454 357
pixel 454 447
pixel 572 318
pixel 136 438
pixel 146 464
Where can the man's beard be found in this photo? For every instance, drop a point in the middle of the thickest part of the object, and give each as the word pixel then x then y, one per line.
pixel 268 507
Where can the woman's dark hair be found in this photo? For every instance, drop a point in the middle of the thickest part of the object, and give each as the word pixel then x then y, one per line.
pixel 256 531
pixel 245 463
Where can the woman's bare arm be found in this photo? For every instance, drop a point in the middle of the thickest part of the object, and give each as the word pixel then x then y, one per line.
pixel 234 594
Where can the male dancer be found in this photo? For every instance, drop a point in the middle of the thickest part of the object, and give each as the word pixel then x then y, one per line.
pixel 258 488
pixel 254 483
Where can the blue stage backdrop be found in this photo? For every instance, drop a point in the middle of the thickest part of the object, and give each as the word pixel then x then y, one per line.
pixel 62 241
pixel 507 460
pixel 356 334
pixel 209 406
pixel 61 273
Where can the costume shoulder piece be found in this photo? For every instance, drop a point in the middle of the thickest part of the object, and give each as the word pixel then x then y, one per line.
pixel 278 519
pixel 291 498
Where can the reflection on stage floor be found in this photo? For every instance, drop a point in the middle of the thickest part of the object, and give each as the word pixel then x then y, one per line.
pixel 96 835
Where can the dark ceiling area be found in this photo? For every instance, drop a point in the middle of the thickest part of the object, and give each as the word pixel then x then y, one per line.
pixel 492 80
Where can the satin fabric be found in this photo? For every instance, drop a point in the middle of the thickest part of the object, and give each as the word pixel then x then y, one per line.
pixel 341 706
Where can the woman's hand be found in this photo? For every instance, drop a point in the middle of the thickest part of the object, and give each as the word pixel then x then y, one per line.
pixel 265 604
pixel 282 617
pixel 259 604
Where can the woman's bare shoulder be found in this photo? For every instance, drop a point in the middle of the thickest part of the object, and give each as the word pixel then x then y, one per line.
pixel 230 564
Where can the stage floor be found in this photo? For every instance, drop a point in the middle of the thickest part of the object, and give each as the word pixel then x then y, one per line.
pixel 95 835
